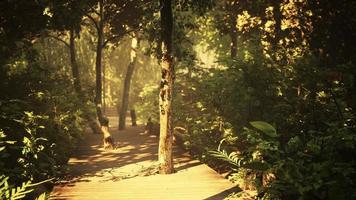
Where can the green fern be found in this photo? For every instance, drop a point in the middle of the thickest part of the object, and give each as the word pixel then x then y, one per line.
pixel 12 193
pixel 232 158
pixel 9 193
pixel 20 191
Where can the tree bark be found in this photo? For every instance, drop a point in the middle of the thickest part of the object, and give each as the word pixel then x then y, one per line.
pixel 166 90
pixel 127 84
pixel 133 117
pixel 99 50
pixel 104 121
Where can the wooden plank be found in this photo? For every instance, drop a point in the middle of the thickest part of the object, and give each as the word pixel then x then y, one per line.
pixel 130 172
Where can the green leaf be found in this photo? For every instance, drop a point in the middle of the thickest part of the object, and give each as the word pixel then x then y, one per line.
pixel 256 165
pixel 4 180
pixel 42 197
pixel 232 158
pixel 265 127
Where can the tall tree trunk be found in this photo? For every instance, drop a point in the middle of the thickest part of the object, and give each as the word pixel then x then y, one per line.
pixel 99 50
pixel 104 121
pixel 166 90
pixel 76 77
pixel 127 84
pixel 73 62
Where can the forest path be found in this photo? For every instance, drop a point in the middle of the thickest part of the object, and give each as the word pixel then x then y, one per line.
pixel 130 171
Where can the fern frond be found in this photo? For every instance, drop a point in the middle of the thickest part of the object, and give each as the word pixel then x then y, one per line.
pixel 21 191
pixel 232 158
pixel 12 193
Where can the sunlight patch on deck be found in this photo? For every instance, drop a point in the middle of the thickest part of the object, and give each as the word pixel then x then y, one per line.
pixel 131 172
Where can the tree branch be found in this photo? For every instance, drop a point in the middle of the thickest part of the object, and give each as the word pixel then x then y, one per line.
pixel 93 20
pixel 119 36
pixel 94 11
pixel 59 39
pixel 109 40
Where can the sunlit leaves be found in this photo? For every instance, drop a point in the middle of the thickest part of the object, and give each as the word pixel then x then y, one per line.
pixel 245 21
pixel 47 12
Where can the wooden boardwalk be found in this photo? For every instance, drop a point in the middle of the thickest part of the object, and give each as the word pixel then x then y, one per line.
pixel 130 172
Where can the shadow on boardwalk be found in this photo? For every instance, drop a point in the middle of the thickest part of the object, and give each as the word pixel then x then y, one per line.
pixel 130 171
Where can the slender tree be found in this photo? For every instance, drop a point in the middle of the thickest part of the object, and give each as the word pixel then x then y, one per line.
pixel 76 76
pixel 73 59
pixel 68 18
pixel 99 15
pixel 166 90
pixel 99 25
pixel 104 122
pixel 73 62
pixel 127 83
pixel 112 20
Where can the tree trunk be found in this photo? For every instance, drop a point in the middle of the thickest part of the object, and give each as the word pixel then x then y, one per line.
pixel 166 90
pixel 73 63
pixel 104 121
pixel 133 117
pixel 127 84
pixel 99 50
pixel 93 124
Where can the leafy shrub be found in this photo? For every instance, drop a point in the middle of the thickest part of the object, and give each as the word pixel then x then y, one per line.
pixel 41 122
pixel 147 107
pixel 317 165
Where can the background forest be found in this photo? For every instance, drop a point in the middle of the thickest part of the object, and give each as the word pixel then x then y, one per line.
pixel 264 90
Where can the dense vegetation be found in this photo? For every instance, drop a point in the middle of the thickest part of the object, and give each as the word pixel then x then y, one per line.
pixel 265 90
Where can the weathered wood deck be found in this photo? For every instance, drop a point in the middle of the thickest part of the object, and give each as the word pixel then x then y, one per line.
pixel 130 172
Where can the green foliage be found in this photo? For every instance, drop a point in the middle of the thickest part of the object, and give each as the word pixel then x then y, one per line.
pixel 294 67
pixel 10 192
pixel 319 165
pixel 266 128
pixel 309 103
pixel 232 158
pixel 40 122
pixel 6 192
pixel 148 103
